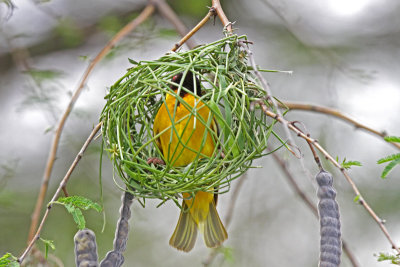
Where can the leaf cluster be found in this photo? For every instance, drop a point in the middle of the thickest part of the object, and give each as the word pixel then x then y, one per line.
pixel 393 159
pixel 394 259
pixel 75 205
pixel 8 260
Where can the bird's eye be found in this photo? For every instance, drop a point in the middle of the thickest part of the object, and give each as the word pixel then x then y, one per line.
pixel 175 78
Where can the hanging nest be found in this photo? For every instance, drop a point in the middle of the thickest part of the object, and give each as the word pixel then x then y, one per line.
pixel 228 89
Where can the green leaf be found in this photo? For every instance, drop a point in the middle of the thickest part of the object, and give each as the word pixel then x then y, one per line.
pixel 80 202
pixel 79 218
pixel 133 61
pixel 394 259
pixel 389 158
pixel 389 167
pixel 8 260
pixel 48 243
pixel 228 253
pixel 394 139
pixel 74 204
pixel 356 199
pixel 348 164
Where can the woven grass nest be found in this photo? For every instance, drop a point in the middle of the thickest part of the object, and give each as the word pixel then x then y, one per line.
pixel 228 88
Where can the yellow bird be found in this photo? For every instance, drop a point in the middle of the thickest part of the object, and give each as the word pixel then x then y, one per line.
pixel 183 146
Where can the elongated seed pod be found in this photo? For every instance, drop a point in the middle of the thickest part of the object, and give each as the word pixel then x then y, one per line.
pixel 328 209
pixel 115 257
pixel 85 248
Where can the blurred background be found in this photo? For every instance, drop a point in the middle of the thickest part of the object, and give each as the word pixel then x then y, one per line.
pixel 343 54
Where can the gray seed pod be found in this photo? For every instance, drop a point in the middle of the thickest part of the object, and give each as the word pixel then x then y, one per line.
pixel 330 246
pixel 85 248
pixel 115 257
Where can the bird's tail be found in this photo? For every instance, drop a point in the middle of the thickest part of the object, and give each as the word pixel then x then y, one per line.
pixel 185 234
pixel 203 215
pixel 214 232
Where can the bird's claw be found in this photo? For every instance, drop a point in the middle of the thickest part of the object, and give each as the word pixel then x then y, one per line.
pixel 155 161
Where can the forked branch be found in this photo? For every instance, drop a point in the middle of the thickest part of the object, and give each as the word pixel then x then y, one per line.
pixel 315 143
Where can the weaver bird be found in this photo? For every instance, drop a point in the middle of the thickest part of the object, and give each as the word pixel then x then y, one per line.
pixel 187 120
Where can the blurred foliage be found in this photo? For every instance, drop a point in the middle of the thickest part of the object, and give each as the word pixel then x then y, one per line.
pixel 48 244
pixel 69 33
pixel 10 8
pixel 7 172
pixel 394 259
pixel 111 24
pixel 40 76
pixel 8 260
pixel 194 8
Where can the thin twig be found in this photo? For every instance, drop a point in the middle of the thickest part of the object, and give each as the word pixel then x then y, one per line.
pixel 361 200
pixel 308 202
pixel 170 15
pixel 216 9
pixel 221 14
pixel 194 30
pixel 335 113
pixel 59 189
pixel 315 155
pixel 53 150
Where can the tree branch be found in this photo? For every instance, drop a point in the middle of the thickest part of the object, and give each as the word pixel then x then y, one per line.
pixel 53 150
pixel 170 15
pixel 62 184
pixel 221 14
pixel 335 113
pixel 336 164
pixel 194 30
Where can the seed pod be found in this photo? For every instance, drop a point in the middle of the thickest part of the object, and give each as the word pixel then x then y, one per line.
pixel 330 246
pixel 85 249
pixel 115 257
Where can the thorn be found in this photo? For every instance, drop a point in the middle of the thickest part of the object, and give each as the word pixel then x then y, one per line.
pixel 213 12
pixel 64 189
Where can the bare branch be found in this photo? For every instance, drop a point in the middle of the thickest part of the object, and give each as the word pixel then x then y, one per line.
pixel 336 164
pixel 221 14
pixel 337 114
pixel 194 30
pixel 53 150
pixel 59 189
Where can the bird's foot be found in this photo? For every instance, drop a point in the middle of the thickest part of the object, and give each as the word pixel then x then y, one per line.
pixel 155 161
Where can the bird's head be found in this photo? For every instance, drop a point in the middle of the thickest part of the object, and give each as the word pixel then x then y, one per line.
pixel 187 83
